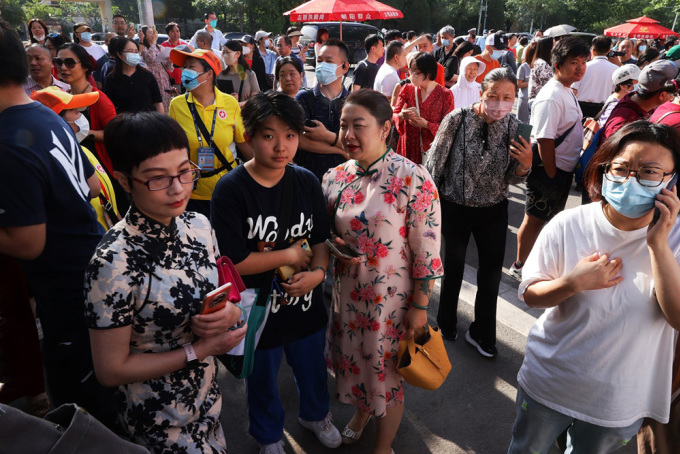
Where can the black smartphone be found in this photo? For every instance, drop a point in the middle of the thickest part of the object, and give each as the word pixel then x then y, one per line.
pixel 310 124
pixel 170 90
pixel 523 130
pixel 669 186
pixel 225 86
pixel 341 250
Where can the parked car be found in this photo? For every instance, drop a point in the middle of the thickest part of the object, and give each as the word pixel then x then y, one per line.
pixel 353 34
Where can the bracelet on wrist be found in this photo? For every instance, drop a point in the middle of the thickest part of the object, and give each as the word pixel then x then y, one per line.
pixel 337 136
pixel 418 306
pixel 319 268
pixel 524 170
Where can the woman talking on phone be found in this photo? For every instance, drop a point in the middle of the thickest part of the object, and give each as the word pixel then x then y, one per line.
pixel 473 159
pixel 599 359
pixel 145 286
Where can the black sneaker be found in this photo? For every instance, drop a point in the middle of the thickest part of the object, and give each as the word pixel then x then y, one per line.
pixel 488 351
pixel 450 336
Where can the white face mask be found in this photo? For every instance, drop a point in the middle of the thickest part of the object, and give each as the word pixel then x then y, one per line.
pixel 39 37
pixel 84 127
pixel 267 43
pixel 246 50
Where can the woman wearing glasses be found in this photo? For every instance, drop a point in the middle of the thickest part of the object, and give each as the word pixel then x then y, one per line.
pixel 599 359
pixel 75 66
pixel 145 286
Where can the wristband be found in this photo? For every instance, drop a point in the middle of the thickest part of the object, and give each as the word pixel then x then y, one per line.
pixel 337 136
pixel 418 306
pixel 319 268
pixel 524 170
pixel 192 359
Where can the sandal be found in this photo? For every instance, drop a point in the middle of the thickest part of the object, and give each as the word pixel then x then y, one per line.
pixel 349 436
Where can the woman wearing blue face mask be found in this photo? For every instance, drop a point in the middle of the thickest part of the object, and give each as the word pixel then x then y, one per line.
pixel 211 120
pixel 131 87
pixel 599 360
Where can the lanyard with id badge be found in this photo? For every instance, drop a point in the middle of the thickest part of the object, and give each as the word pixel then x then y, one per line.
pixel 206 155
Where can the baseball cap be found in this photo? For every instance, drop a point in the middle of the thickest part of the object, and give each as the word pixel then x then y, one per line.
pixel 177 57
pixel 58 100
pixel 81 27
pixel 299 33
pixel 655 75
pixel 497 41
pixel 673 54
pixel 248 39
pixel 261 34
pixel 625 72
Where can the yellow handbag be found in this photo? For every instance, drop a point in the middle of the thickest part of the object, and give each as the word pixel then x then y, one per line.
pixel 422 359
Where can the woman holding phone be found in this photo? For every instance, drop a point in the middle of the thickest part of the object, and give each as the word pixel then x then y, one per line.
pixel 157 62
pixel 145 288
pixel 386 210
pixel 473 159
pixel 599 359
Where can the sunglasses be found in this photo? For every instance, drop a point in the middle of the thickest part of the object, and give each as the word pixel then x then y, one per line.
pixel 69 62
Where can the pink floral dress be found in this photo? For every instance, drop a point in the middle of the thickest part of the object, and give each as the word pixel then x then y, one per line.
pixel 389 214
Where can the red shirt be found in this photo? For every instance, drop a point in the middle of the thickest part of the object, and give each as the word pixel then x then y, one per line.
pixel 177 72
pixel 673 119
pixel 440 75
pixel 626 111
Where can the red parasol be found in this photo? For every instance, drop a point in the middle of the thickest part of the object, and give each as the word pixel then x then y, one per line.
pixel 640 28
pixel 342 10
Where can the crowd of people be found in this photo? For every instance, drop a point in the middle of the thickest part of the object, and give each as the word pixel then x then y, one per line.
pixel 130 169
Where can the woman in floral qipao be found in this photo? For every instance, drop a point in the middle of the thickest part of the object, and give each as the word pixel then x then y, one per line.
pixel 145 286
pixel 386 209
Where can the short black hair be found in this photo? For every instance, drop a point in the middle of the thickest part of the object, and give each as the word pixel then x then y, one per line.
pixel 133 137
pixel 426 64
pixel 394 48
pixel 458 41
pixel 370 41
pixel 13 59
pixel 601 44
pixel 172 25
pixel 374 102
pixel 281 61
pixel 115 43
pixel 117 15
pixel 647 56
pixel 83 56
pixel 569 47
pixel 429 37
pixel 410 35
pixel 392 34
pixel 207 15
pixel 334 42
pixel 463 49
pixel 286 39
pixel 404 35
pixel 262 106
pixel 523 41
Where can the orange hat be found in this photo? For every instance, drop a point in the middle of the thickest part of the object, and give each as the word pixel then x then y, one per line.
pixel 58 100
pixel 177 57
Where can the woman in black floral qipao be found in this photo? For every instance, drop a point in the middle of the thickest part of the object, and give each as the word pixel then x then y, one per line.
pixel 145 286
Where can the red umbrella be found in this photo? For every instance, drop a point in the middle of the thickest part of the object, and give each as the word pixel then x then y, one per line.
pixel 342 10
pixel 641 28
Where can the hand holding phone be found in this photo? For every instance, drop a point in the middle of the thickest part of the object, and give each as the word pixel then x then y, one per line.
pixel 310 123
pixel 341 250
pixel 671 184
pixel 216 300
pixel 286 271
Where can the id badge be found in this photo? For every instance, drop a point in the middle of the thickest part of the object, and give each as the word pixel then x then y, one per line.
pixel 206 159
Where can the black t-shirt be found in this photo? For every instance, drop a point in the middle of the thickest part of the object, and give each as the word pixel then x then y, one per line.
pixel 364 73
pixel 43 180
pixel 135 93
pixel 450 64
pixel 245 216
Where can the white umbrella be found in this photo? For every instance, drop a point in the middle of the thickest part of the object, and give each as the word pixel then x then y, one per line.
pixel 559 30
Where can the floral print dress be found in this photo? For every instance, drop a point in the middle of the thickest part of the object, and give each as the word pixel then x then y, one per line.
pixel 160 67
pixel 153 278
pixel 390 215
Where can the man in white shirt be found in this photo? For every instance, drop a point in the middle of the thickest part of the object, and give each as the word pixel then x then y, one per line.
pixel 596 86
pixel 218 40
pixel 388 74
pixel 558 137
pixel 82 34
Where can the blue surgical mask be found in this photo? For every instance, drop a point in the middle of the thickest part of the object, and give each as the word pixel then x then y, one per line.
pixel 445 42
pixel 189 79
pixel 132 58
pixel 630 198
pixel 86 36
pixel 642 48
pixel 326 72
pixel 213 23
pixel 496 54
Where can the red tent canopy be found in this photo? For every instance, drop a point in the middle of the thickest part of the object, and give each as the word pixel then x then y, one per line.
pixel 640 28
pixel 342 10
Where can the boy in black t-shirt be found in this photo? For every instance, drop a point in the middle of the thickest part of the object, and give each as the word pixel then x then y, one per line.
pixel 248 209
pixel 366 69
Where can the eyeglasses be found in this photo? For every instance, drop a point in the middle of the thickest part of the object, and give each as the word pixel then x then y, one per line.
pixel 69 62
pixel 646 175
pixel 164 182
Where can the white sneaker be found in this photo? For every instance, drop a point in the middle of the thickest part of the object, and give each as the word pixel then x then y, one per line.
pixel 515 272
pixel 273 448
pixel 325 431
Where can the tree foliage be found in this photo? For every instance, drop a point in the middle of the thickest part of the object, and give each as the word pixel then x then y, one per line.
pixel 11 11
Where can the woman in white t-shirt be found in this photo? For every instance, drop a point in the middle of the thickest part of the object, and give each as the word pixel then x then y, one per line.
pixel 599 359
